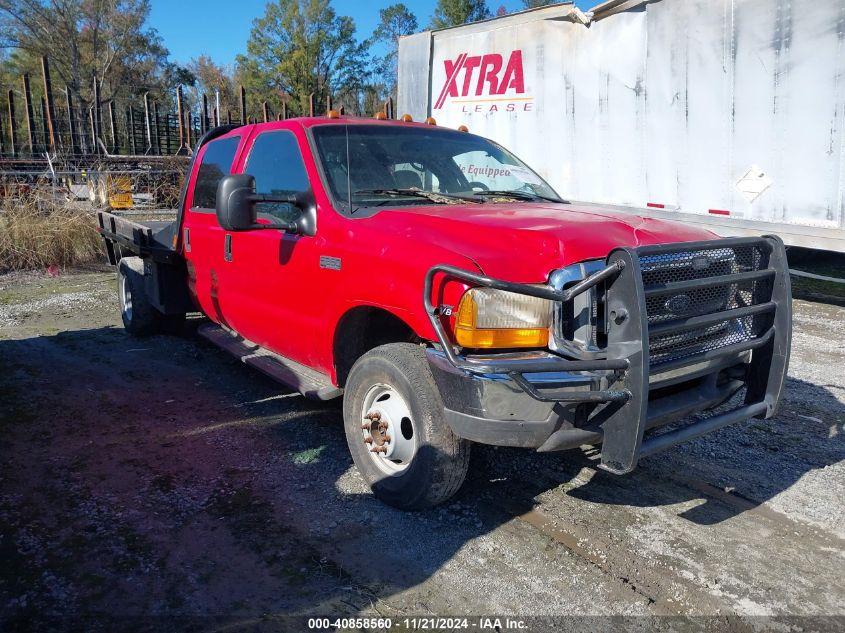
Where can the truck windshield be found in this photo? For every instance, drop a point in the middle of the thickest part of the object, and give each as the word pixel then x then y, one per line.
pixel 381 164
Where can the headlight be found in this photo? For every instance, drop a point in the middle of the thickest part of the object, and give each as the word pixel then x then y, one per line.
pixel 499 319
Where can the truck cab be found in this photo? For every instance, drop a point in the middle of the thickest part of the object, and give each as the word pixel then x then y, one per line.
pixel 449 295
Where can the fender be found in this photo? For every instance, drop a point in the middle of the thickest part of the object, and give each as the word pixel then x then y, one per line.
pixel 399 295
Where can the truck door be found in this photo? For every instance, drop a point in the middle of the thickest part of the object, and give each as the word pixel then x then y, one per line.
pixel 202 237
pixel 272 298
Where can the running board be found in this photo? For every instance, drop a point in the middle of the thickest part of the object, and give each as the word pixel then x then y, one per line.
pixel 310 383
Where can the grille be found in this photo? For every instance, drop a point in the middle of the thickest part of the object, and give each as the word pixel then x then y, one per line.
pixel 681 286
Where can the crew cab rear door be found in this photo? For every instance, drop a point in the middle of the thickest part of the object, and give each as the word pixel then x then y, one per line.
pixel 203 240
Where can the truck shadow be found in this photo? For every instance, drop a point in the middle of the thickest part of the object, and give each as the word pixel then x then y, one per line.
pixel 728 472
pixel 220 493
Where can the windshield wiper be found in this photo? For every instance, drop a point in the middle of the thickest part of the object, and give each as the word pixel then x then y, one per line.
pixel 439 198
pixel 518 195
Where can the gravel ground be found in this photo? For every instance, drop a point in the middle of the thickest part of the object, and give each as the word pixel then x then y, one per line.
pixel 160 478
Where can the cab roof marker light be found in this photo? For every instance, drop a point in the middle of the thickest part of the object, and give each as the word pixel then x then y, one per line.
pixel 655 205
pixel 407 118
pixel 430 121
pixel 380 116
pixel 718 212
pixel 463 128
pixel 334 114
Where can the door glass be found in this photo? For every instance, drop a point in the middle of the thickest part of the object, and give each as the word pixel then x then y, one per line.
pixel 216 163
pixel 276 163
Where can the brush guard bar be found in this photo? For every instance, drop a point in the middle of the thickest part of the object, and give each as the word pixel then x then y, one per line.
pixel 620 413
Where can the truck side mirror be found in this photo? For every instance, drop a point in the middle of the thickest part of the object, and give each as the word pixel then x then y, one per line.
pixel 236 200
pixel 235 206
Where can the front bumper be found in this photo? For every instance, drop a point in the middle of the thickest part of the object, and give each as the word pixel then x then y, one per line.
pixel 548 402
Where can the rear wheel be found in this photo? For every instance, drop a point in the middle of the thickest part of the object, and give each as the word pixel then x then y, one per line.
pixel 140 317
pixel 396 430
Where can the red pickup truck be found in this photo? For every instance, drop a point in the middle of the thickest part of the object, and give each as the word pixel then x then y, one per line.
pixel 450 296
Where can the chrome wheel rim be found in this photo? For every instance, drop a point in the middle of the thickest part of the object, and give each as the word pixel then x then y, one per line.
pixel 125 299
pixel 388 429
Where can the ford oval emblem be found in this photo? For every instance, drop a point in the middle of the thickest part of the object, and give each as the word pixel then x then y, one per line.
pixel 679 304
pixel 700 263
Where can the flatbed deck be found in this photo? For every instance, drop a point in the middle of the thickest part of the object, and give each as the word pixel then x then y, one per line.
pixel 148 238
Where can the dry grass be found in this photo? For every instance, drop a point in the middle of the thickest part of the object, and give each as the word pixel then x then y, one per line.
pixel 38 230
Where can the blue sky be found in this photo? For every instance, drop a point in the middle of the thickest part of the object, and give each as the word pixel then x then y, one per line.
pixel 220 28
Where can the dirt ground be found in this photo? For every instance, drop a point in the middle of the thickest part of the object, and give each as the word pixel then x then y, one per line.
pixel 160 483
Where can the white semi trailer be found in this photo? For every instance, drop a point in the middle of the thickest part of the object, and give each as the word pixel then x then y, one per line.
pixel 724 113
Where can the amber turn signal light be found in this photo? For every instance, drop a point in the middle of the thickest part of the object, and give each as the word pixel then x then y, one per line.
pixel 488 318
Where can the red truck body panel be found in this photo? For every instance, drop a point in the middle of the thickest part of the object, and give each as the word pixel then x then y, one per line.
pixel 276 293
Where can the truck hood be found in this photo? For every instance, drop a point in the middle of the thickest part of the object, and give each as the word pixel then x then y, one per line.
pixel 524 242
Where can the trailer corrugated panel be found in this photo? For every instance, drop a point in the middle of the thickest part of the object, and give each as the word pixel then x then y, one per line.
pixel 729 114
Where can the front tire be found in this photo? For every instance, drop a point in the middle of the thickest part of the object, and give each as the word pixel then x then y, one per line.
pixel 397 432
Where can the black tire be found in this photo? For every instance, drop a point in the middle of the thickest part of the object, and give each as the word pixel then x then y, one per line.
pixel 139 316
pixel 439 463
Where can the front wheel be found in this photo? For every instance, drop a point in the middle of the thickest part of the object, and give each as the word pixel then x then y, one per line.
pixel 396 430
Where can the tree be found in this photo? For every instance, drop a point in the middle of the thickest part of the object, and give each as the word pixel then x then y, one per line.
pixel 455 12
pixel 395 21
pixel 108 39
pixel 533 4
pixel 211 78
pixel 298 48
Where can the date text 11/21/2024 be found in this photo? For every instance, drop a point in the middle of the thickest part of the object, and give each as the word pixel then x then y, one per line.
pixel 427 623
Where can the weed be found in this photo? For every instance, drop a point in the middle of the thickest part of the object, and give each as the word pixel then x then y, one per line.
pixel 38 231
pixel 308 456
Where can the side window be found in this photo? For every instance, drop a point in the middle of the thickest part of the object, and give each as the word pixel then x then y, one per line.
pixel 216 163
pixel 276 163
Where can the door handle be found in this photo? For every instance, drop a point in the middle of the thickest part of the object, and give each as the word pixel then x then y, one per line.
pixel 187 239
pixel 227 247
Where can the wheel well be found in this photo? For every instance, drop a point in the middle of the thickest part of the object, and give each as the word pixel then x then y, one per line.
pixel 365 328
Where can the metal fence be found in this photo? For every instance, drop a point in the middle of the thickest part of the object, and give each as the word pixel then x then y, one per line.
pixel 151 190
pixel 58 148
pixel 38 121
